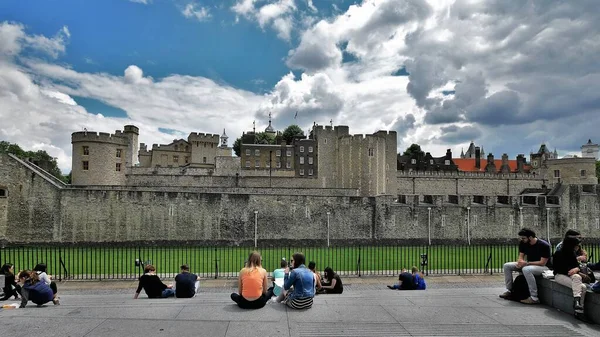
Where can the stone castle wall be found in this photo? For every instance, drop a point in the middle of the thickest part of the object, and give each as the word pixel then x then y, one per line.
pixel 41 211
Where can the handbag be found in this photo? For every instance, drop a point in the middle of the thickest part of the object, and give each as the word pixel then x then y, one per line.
pixel 587 275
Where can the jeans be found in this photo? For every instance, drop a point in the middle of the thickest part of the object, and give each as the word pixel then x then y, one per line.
pixel 573 282
pixel 168 293
pixel 256 304
pixel 8 292
pixel 528 271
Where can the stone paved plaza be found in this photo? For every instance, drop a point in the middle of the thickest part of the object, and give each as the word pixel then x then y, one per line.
pixel 452 306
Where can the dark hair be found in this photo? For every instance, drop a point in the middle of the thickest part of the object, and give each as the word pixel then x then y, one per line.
pixel 283 263
pixel 527 232
pixel 414 269
pixel 328 273
pixel 185 267
pixel 572 232
pixel 298 259
pixel 149 268
pixel 569 244
pixel 312 265
pixel 5 268
pixel 41 267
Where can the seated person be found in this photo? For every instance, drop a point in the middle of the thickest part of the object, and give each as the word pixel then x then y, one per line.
pixel 186 283
pixel 33 289
pixel 41 269
pixel 152 285
pixel 332 283
pixel 318 286
pixel 302 280
pixel 418 279
pixel 582 255
pixel 534 254
pixel 278 275
pixel 11 288
pixel 566 271
pixel 252 285
pixel 405 281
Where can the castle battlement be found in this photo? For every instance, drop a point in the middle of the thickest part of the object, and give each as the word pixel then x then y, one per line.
pixel 206 137
pixel 461 174
pixel 99 137
pixel 339 128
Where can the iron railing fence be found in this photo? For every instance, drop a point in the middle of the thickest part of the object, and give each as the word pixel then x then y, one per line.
pixel 126 263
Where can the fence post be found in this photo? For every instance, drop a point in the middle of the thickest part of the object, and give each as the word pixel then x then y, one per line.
pixel 216 264
pixel 358 262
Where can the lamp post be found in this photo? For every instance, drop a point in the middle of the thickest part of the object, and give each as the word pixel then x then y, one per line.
pixel 548 225
pixel 521 216
pixel 328 213
pixel 255 228
pixel 469 225
pixel 429 225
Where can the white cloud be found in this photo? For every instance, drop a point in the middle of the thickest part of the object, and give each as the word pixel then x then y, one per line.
pixel 38 109
pixel 193 10
pixel 144 2
pixel 14 39
pixel 276 14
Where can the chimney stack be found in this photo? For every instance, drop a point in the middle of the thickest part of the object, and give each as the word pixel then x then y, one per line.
pixel 490 166
pixel 505 168
pixel 520 163
pixel 478 158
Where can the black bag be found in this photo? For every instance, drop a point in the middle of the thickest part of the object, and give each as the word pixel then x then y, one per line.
pixel 520 289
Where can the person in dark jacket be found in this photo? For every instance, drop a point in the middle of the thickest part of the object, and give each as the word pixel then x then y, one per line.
pixel 566 271
pixel 33 289
pixel 406 281
pixel 152 285
pixel 11 288
pixel 42 270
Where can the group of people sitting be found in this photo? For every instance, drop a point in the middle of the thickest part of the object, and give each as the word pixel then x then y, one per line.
pixel 293 284
pixel 185 285
pixel 569 263
pixel 31 285
pixel 410 281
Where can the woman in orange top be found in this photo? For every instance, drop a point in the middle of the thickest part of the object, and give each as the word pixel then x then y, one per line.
pixel 252 285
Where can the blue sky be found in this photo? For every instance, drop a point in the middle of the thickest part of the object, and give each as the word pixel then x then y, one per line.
pixel 441 73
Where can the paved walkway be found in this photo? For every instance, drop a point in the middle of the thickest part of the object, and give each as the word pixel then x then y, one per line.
pixel 366 308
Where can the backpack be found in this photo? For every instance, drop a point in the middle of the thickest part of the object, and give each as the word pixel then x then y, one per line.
pixel 596 287
pixel 520 289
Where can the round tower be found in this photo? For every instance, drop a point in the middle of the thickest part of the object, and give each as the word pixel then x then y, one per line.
pixel 100 158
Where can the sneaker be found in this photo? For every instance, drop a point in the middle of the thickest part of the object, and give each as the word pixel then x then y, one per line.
pixel 530 300
pixel 507 295
pixel 56 301
pixel 391 287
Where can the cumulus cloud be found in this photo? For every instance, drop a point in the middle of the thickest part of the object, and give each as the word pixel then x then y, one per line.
pixel 275 14
pixel 38 109
pixel 195 11
pixel 14 39
pixel 144 2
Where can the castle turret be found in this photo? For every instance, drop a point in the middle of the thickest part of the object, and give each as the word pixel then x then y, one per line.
pixel 590 150
pixel 131 132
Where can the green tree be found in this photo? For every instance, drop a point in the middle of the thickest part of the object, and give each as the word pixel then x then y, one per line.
pixel 290 132
pixel 237 147
pixel 41 157
pixel 265 138
pixel 414 149
pixel 598 169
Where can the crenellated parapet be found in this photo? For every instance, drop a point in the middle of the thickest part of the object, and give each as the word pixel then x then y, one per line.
pixel 203 137
pixel 117 138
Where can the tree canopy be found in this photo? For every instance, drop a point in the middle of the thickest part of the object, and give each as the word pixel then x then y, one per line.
pixel 41 157
pixel 414 149
pixel 290 132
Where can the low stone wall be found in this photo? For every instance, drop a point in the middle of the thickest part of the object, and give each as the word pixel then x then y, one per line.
pixel 561 297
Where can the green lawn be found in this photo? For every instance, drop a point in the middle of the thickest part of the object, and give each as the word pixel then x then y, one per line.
pixel 119 263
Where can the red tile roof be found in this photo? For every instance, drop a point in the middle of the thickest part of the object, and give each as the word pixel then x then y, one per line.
pixel 468 165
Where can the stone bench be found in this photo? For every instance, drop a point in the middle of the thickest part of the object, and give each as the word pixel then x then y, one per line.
pixel 561 297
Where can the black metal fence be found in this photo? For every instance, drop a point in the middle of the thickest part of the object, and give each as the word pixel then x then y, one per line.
pixel 125 263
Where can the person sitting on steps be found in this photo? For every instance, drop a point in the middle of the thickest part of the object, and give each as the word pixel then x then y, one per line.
pixel 582 255
pixel 333 283
pixel 418 279
pixel 406 281
pixel 34 290
pixel 252 285
pixel 152 285
pixel 318 287
pixel 41 269
pixel 534 254
pixel 566 271
pixel 186 283
pixel 11 288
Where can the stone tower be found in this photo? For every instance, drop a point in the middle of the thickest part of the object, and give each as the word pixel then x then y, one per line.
pixel 100 158
pixel 590 150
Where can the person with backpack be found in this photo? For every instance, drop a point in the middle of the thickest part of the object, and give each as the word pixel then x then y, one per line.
pixel 567 271
pixel 34 290
pixel 534 255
